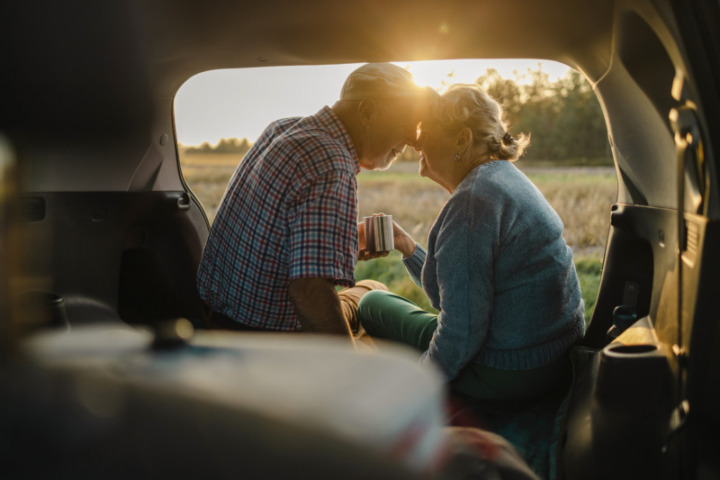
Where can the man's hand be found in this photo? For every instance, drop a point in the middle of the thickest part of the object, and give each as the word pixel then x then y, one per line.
pixel 363 253
pixel 404 243
pixel 317 306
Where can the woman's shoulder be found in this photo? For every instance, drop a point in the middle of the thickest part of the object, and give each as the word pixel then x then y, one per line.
pixel 502 182
pixel 499 174
pixel 489 184
pixel 479 195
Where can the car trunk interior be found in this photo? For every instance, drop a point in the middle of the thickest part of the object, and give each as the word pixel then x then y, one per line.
pixel 107 223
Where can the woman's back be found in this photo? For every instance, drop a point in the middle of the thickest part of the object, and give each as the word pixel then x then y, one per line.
pixel 521 278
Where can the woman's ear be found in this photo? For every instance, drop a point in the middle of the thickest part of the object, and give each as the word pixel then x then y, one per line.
pixel 464 139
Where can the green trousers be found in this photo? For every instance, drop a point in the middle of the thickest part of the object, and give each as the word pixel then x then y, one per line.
pixel 392 317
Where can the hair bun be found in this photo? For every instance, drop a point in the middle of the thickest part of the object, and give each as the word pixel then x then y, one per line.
pixel 507 139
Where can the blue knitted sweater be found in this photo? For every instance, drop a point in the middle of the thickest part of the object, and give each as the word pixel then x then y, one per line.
pixel 500 274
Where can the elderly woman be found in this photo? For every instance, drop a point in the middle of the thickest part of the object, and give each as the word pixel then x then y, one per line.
pixel 496 268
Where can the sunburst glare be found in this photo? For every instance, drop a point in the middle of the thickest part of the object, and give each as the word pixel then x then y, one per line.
pixel 438 74
pixel 239 103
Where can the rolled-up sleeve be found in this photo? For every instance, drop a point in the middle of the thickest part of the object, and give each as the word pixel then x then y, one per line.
pixel 323 230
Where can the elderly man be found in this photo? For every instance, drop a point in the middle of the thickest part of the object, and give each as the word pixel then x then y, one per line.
pixel 286 231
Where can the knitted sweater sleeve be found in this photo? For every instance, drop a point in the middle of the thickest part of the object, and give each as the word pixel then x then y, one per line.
pixel 464 266
pixel 414 264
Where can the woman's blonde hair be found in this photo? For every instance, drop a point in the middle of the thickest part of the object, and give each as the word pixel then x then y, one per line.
pixel 468 105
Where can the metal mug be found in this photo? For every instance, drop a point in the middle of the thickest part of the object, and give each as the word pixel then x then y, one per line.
pixel 379 233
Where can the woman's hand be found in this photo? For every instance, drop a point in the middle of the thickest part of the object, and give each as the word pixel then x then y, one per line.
pixel 402 240
pixel 404 243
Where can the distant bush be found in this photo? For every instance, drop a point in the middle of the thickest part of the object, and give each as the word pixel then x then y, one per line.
pixel 564 117
pixel 225 145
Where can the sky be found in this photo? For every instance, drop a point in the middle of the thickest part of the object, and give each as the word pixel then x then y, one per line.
pixel 240 103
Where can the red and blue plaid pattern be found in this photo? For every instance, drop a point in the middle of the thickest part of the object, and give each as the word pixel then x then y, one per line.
pixel 290 211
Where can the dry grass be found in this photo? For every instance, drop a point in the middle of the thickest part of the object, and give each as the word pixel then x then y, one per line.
pixel 208 175
pixel 581 196
pixel 412 203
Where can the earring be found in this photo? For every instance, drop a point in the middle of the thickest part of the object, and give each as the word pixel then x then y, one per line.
pixel 457 156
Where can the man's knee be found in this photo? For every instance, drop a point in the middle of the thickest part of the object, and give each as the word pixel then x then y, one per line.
pixel 371 285
pixel 370 302
pixel 350 299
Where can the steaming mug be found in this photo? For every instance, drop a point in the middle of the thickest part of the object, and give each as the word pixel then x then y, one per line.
pixel 379 233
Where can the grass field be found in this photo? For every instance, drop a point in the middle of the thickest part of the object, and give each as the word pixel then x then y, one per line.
pixel 581 196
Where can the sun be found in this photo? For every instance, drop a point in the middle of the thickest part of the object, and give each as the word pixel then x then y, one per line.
pixel 435 74
pixel 438 74
pixel 240 103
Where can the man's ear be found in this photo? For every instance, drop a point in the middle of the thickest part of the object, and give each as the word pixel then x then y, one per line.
pixel 367 110
pixel 464 139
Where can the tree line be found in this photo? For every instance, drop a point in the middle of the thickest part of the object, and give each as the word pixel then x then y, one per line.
pixel 563 117
pixel 225 145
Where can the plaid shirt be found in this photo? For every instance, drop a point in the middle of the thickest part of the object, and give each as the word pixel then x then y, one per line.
pixel 290 211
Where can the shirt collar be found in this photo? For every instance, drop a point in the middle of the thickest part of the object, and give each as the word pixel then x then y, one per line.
pixel 337 130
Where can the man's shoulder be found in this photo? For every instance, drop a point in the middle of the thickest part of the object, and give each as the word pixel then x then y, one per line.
pixel 315 144
pixel 317 147
pixel 278 127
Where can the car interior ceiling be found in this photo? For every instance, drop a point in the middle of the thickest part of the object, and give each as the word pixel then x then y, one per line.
pixel 108 222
